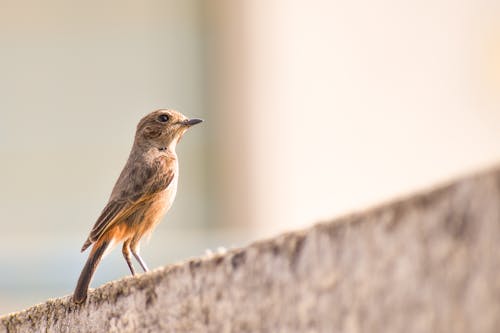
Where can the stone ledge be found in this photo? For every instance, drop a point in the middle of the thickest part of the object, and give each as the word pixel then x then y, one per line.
pixel 429 262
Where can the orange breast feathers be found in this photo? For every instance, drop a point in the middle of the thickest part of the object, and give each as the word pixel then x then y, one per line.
pixel 139 201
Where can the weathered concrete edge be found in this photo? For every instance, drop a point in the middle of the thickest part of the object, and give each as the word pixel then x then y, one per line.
pixel 290 242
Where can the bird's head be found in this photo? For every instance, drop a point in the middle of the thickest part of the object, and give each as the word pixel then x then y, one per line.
pixel 162 129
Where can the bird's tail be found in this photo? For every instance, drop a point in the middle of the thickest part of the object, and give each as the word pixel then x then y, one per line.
pixel 82 286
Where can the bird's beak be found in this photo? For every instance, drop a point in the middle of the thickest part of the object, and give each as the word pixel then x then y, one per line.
pixel 191 122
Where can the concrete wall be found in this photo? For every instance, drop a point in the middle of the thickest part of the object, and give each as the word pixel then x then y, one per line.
pixel 428 263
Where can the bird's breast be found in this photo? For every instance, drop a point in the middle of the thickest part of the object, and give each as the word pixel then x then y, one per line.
pixel 155 210
pixel 168 195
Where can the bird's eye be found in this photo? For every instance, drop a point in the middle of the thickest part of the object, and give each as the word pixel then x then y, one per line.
pixel 163 118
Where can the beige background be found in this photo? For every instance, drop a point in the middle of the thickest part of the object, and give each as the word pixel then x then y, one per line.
pixel 313 110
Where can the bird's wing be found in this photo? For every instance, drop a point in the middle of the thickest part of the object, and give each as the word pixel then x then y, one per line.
pixel 142 185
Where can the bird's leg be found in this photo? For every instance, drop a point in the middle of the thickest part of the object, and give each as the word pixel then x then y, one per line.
pixel 126 255
pixel 135 252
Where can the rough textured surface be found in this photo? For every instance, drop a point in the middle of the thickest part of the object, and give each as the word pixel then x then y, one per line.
pixel 428 263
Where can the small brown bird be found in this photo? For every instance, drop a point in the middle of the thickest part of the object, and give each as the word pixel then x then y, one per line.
pixel 142 194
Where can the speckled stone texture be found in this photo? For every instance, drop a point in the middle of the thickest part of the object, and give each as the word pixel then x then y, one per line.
pixel 427 263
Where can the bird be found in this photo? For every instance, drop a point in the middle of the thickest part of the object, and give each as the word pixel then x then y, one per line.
pixel 142 194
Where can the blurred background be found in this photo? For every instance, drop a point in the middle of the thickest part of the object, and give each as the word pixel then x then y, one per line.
pixel 313 110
